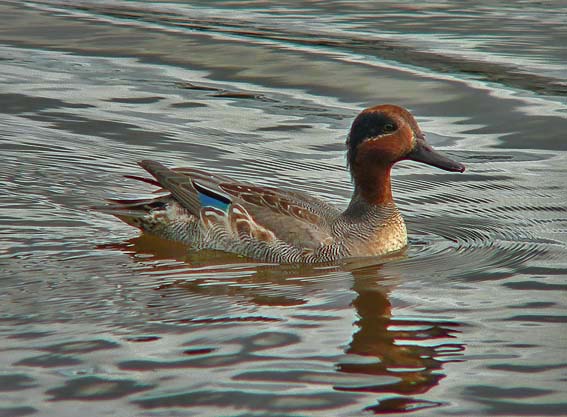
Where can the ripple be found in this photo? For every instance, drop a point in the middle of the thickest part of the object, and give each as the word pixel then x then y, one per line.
pixel 49 361
pixel 93 388
pixel 400 405
pixel 16 382
pixel 17 411
pixel 222 399
pixel 82 346
pixel 442 54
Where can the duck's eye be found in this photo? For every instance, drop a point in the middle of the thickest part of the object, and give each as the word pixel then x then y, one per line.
pixel 389 127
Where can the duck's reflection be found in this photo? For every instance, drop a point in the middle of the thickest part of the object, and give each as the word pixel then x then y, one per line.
pixel 412 350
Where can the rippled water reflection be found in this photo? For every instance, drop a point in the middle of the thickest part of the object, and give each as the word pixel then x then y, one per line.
pixel 101 321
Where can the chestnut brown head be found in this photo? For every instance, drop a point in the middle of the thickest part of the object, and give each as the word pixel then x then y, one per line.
pixel 385 134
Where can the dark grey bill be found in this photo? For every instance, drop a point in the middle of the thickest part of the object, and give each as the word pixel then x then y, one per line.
pixel 423 152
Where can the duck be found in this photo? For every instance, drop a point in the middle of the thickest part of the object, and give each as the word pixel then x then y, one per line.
pixel 210 211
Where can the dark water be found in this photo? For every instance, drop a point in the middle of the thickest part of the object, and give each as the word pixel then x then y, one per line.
pixel 99 321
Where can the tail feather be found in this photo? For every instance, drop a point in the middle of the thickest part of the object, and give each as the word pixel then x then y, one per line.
pixel 178 184
pixel 145 204
pixel 132 217
pixel 143 179
pixel 133 211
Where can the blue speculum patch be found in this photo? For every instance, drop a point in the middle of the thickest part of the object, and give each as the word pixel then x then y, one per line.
pixel 211 198
pixel 210 201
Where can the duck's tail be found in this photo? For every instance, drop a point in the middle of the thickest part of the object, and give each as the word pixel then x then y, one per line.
pixel 134 211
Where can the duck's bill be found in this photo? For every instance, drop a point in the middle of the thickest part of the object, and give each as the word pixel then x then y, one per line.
pixel 423 152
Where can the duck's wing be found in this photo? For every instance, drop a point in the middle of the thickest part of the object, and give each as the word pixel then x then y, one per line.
pixel 292 216
pixel 182 183
pixel 276 201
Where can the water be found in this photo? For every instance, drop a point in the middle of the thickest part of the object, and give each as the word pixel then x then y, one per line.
pixel 97 320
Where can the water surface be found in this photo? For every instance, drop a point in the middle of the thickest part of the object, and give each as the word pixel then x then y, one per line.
pixel 100 320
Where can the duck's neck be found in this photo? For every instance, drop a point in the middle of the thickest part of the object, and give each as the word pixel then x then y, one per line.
pixel 373 184
pixel 371 200
pixel 371 225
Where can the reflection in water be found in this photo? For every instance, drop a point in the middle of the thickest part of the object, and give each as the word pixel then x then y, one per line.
pixel 410 349
pixel 386 355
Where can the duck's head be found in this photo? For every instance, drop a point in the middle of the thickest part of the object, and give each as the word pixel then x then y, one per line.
pixel 386 134
pixel 379 137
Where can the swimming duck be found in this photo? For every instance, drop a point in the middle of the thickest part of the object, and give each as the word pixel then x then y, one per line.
pixel 211 211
